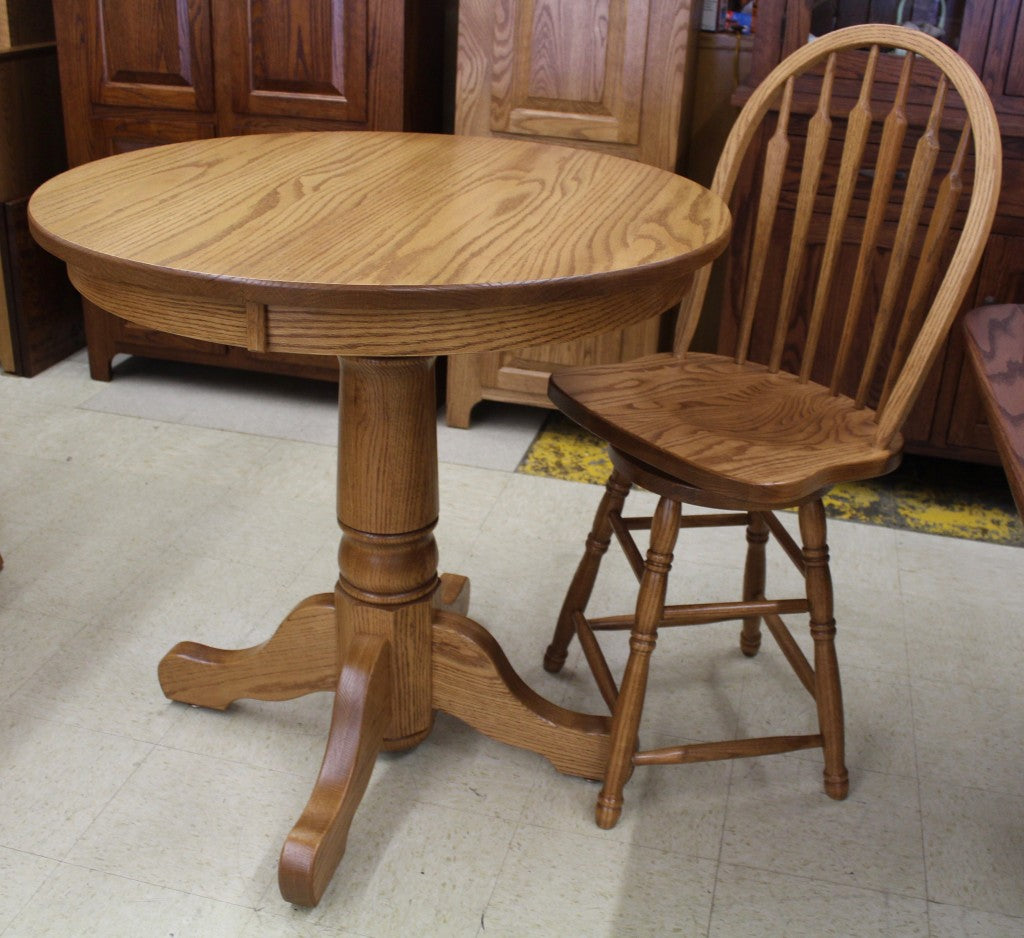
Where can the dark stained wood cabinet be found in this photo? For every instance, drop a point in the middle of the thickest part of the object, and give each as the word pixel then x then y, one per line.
pixel 949 419
pixel 40 316
pixel 137 73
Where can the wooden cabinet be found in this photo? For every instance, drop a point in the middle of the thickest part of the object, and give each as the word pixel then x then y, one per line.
pixel 948 419
pixel 613 75
pixel 137 73
pixel 40 317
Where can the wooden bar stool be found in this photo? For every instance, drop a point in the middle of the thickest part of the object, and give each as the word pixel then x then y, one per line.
pixel 852 286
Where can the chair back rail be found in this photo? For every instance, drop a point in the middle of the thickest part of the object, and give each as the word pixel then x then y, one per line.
pixel 907 317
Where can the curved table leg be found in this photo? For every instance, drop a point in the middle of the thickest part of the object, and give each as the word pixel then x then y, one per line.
pixel 361 714
pixel 474 681
pixel 299 658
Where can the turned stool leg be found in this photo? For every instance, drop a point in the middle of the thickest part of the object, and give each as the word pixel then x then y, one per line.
pixel 753 581
pixel 583 580
pixel 827 689
pixel 650 608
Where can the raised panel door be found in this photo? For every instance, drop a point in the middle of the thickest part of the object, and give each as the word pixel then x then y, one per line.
pixel 609 74
pixel 569 69
pixel 295 58
pixel 152 53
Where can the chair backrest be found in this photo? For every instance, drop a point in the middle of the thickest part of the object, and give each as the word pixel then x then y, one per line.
pixel 853 276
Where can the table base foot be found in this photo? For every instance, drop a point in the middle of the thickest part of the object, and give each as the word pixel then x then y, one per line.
pixel 452 594
pixel 299 658
pixel 316 843
pixel 473 680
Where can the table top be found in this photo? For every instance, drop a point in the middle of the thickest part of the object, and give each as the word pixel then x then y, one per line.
pixel 363 221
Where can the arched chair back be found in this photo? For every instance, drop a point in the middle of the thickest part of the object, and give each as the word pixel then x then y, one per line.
pixel 832 290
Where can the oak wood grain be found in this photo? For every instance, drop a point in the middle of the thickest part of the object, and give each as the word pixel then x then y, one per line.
pixel 385 248
pixel 287 219
pixel 750 431
pixel 474 682
pixel 316 843
pixel 608 75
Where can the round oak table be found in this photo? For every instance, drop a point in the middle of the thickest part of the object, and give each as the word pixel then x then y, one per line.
pixel 386 250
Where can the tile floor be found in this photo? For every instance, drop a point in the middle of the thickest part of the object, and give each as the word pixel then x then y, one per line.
pixel 175 504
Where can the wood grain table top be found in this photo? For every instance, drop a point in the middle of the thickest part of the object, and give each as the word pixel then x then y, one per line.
pixel 339 219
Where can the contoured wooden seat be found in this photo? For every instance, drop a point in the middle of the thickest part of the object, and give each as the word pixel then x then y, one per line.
pixel 851 287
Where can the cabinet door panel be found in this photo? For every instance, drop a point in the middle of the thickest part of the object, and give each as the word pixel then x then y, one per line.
pixel 569 68
pixel 299 58
pixel 153 53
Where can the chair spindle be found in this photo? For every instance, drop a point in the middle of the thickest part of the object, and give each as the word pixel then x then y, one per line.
pixel 921 171
pixel 857 128
pixel 776 156
pixel 894 130
pixel 818 132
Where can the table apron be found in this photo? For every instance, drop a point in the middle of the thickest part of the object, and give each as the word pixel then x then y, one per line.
pixel 378 332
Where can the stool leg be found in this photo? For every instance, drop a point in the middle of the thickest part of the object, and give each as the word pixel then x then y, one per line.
pixel 827 689
pixel 753 581
pixel 582 585
pixel 650 608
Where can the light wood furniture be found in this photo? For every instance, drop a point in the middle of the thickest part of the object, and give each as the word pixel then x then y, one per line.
pixel 387 250
pixel 949 418
pixel 610 75
pixel 191 69
pixel 995 349
pixel 747 434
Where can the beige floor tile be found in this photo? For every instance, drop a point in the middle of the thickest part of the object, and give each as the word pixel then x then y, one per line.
pixel 266 925
pixel 69 435
pixel 58 572
pixel 675 808
pixel 281 735
pixel 951 921
pixel 22 874
pixel 968 736
pixel 757 904
pixel 104 679
pixel 80 902
pixel 270 532
pixel 196 824
pixel 779 819
pixel 974 639
pixel 56 779
pixel 409 869
pixel 948 569
pixel 306 472
pixel 35 493
pixel 176 596
pixel 974 847
pixel 458 768
pixel 877 706
pixel 67 383
pixel 562 884
pixel 28 640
